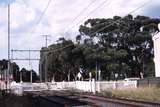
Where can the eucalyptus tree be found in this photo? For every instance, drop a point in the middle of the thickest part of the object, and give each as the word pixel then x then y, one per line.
pixel 118 45
pixel 127 40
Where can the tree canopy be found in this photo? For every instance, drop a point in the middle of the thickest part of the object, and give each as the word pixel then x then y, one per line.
pixel 15 71
pixel 118 45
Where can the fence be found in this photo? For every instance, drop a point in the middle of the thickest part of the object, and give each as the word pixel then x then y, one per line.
pixel 116 85
pixel 149 82
pixel 86 86
pixel 92 86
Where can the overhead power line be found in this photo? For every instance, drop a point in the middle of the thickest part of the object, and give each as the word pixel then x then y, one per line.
pixel 41 16
pixel 105 26
pixel 46 39
pixel 121 19
pixel 83 10
pixel 103 3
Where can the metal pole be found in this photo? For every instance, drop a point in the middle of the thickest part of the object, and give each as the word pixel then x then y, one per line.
pixel 30 67
pixel 21 80
pixel 8 70
pixel 99 75
pixel 11 67
pixel 27 59
pixel 46 58
pixel 46 67
pixel 40 70
pixel 96 72
pixel 46 39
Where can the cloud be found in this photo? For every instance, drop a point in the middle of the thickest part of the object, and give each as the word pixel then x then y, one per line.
pixel 21 15
pixel 152 9
pixel 3 43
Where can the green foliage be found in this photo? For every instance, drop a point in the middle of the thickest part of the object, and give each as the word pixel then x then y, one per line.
pixel 125 47
pixel 26 75
pixel 15 70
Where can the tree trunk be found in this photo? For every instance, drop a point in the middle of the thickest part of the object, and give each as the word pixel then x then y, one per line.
pixel 141 75
pixel 69 76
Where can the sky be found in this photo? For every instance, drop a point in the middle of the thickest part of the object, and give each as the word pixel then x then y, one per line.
pixel 29 21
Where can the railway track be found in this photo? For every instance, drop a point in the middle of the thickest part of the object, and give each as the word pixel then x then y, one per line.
pixel 67 99
pixel 117 102
pixel 58 101
pixel 45 99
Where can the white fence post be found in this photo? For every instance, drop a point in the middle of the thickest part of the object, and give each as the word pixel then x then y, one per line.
pixel 90 85
pixel 93 86
pixel 114 85
pixel 98 86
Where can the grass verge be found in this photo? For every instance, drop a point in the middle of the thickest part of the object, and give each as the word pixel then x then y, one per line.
pixel 147 94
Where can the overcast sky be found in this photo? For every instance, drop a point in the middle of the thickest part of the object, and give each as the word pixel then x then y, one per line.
pixel 26 32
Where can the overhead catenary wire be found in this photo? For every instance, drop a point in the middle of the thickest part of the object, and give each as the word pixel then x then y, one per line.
pixel 81 12
pixel 34 28
pixel 91 12
pixel 121 19
pixel 41 16
pixel 105 26
pixel 39 19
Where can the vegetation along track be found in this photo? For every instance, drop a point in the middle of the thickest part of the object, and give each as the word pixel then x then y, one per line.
pixel 65 99
pixel 118 102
